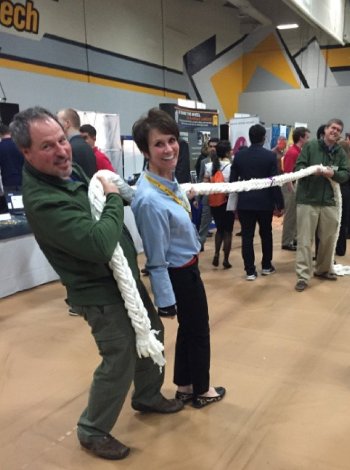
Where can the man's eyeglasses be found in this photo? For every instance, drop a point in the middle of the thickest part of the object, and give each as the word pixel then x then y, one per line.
pixel 336 128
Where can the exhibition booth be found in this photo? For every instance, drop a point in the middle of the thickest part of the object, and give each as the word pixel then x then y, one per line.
pixel 23 264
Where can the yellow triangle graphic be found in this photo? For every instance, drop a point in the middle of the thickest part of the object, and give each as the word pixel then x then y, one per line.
pixel 233 79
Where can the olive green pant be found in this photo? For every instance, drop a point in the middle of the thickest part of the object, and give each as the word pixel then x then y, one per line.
pixel 115 339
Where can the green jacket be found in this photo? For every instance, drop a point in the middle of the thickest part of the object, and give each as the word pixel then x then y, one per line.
pixel 317 190
pixel 78 247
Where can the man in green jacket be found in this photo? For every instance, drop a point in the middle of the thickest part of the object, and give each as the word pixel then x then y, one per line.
pixel 55 194
pixel 316 206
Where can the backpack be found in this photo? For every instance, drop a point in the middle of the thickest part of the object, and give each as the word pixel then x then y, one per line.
pixel 218 199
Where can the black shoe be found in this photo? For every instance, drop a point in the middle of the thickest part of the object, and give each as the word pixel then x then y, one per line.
pixel 106 447
pixel 200 401
pixel 184 397
pixel 301 285
pixel 215 261
pixel 252 276
pixel 226 265
pixel 329 276
pixel 289 247
pixel 268 271
pixel 73 313
pixel 163 406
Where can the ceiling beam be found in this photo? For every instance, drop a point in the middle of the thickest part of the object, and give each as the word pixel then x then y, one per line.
pixel 245 7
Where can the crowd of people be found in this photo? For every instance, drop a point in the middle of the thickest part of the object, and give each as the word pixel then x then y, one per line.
pixel 60 156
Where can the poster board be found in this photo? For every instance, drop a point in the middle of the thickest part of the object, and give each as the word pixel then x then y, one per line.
pixel 196 126
pixel 239 131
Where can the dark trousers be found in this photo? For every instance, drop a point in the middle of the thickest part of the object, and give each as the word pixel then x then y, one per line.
pixel 192 351
pixel 343 230
pixel 248 220
pixel 115 338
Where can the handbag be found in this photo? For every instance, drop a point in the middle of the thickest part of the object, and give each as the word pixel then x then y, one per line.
pixel 232 202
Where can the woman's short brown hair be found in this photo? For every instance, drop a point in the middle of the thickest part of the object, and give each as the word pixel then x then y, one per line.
pixel 155 119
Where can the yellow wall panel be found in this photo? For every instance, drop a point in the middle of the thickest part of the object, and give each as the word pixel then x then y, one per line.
pixel 227 84
pixel 233 79
pixel 337 57
pixel 268 55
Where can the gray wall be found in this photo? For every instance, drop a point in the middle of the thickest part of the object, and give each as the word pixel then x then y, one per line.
pixel 29 89
pixel 144 42
pixel 313 106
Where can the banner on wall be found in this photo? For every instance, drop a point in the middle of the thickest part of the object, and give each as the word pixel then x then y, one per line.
pixel 239 131
pixel 196 126
pixel 107 135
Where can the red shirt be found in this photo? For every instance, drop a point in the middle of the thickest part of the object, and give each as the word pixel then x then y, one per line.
pixel 290 158
pixel 102 161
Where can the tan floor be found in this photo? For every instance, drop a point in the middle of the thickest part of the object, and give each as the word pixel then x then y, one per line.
pixel 283 356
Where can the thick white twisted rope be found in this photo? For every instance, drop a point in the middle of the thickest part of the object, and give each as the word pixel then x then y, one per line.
pixel 262 183
pixel 253 184
pixel 249 185
pixel 147 345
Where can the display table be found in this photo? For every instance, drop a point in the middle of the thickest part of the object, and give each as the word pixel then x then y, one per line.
pixel 22 265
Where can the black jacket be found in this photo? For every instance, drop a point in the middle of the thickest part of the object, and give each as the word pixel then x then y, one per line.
pixel 83 155
pixel 182 170
pixel 256 162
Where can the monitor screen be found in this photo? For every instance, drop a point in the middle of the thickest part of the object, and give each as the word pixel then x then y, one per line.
pixel 14 201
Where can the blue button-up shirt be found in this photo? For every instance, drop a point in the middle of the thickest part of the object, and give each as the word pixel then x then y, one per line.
pixel 169 238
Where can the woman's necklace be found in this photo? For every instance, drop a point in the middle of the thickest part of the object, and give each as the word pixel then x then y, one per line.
pixel 183 202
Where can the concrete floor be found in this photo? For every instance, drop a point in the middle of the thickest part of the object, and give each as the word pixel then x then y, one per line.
pixel 284 357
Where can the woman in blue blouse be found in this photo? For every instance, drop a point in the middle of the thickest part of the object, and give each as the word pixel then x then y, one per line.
pixel 171 244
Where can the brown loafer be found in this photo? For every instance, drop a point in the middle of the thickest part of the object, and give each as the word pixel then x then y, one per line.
pixel 164 406
pixel 106 447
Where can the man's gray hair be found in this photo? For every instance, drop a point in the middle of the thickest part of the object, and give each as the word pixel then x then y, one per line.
pixel 20 126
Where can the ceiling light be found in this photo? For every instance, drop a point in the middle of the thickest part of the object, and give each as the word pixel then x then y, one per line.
pixel 288 26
